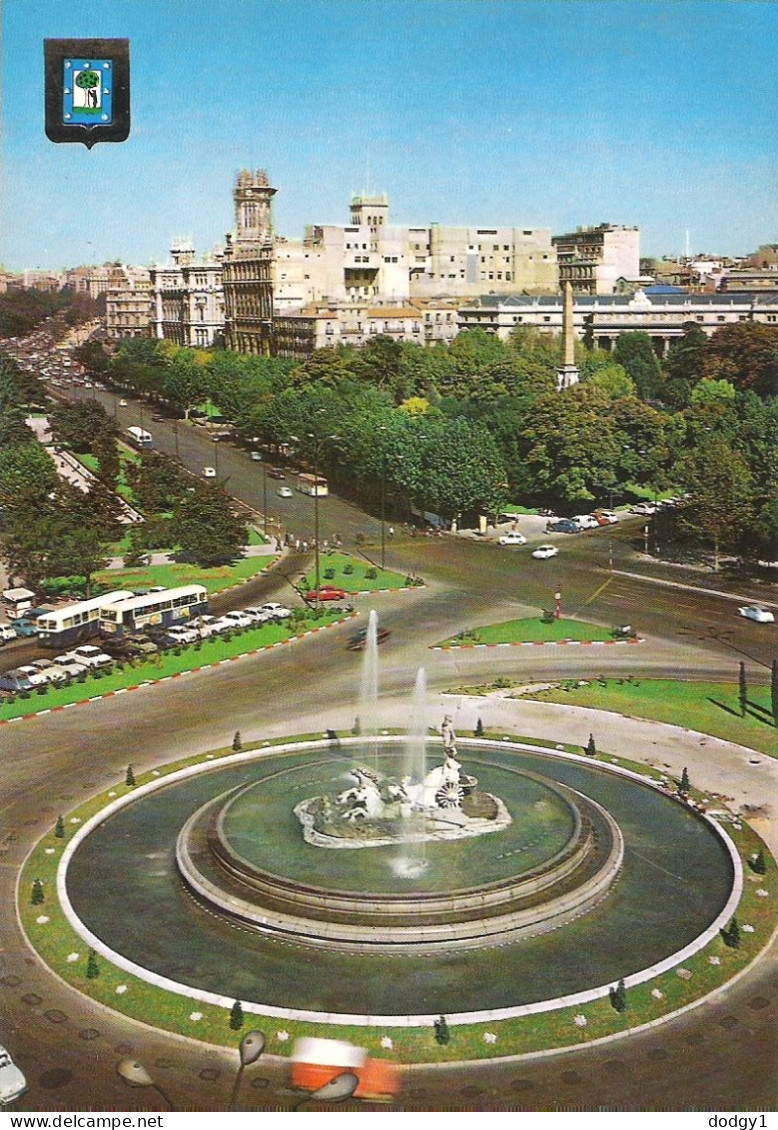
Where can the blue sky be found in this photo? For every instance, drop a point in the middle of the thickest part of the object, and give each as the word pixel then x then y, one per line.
pixel 525 112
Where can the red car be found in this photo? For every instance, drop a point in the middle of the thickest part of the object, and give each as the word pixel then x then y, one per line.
pixel 326 592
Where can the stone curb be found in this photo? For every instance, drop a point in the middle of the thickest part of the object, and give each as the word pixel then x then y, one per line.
pixel 176 675
pixel 538 643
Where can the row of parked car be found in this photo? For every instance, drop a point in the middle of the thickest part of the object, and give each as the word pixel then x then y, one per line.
pixel 89 657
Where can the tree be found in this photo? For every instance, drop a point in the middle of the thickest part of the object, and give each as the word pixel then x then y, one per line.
pixel 59 828
pixel 88 81
pixel 129 778
pixel 27 476
pixel 742 690
pixel 37 896
pixel 236 1017
pixel 720 492
pixel 758 863
pixel 709 393
pixel 746 355
pixel 591 748
pixel 684 787
pixel 618 996
pixel 92 966
pixel 442 1034
pixel 685 360
pixel 634 351
pixel 237 744
pixel 478 732
pixel 205 528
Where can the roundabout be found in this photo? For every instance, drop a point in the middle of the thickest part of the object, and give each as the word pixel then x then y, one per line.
pixel 665 878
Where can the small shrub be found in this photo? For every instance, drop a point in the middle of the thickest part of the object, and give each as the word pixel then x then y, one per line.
pixel 36 895
pixel 730 935
pixel 590 749
pixel 758 864
pixel 41 690
pixel 59 828
pixel 92 966
pixel 478 732
pixel 236 1017
pixel 24 694
pixel 348 569
pixel 618 996
pixel 371 573
pixel 442 1034
pixel 329 574
pixel 129 778
pixel 548 616
pixel 237 744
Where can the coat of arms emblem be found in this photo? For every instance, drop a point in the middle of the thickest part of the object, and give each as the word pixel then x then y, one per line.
pixel 87 90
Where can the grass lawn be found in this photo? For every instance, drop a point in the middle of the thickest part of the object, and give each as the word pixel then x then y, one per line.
pixel 709 707
pixel 215 580
pixel 123 488
pixel 356 580
pixel 67 954
pixel 158 666
pixel 530 630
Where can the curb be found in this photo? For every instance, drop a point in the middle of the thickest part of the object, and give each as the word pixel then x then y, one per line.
pixel 538 643
pixel 176 675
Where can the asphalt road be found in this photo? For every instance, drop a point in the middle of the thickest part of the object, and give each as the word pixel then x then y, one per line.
pixel 722 1055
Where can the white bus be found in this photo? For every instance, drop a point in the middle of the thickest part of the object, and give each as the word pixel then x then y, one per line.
pixel 313 484
pixel 154 610
pixel 139 436
pixel 76 622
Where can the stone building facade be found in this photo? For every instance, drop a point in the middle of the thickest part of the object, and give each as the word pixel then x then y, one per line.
pixel 188 298
pixel 248 267
pixel 592 259
pixel 129 307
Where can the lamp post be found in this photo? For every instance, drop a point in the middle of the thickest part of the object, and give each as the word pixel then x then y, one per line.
pixel 336 1090
pixel 175 433
pixel 251 1047
pixel 134 1074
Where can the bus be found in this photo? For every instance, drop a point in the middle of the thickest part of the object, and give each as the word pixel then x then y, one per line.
pixel 313 484
pixel 139 437
pixel 76 622
pixel 317 1061
pixel 154 610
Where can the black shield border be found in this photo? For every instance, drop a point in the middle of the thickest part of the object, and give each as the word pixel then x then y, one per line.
pixel 55 51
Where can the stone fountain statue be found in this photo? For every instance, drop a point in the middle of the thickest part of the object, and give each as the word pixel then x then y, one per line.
pixel 445 804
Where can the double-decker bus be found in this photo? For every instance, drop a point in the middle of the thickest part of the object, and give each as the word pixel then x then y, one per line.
pixel 154 610
pixel 76 622
pixel 139 437
pixel 313 484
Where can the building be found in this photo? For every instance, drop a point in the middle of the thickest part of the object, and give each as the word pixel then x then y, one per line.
pixel 592 259
pixel 188 299
pixel 756 281
pixel 129 308
pixel 319 325
pixel 248 267
pixel 601 319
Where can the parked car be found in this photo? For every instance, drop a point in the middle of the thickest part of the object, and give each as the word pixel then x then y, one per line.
pixel 71 665
pixel 326 592
pixel 24 626
pixel 51 672
pixel 12 1081
pixel 276 473
pixel 605 517
pixel 209 472
pixel 275 611
pixel 122 403
pixel 182 635
pixel 90 655
pixel 358 641
pixel 761 615
pixel 238 619
pixel 644 508
pixel 284 492
pixel 545 551
pixel 7 633
pixel 256 615
pixel 15 681
pixel 563 526
pixel 513 537
pixel 208 625
pixel 586 521
pixel 256 457
pixel 33 674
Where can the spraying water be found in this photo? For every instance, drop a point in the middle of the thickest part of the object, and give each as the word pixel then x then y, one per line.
pixel 412 861
pixel 368 689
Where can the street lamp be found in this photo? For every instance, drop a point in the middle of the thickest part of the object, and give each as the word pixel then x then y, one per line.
pixel 336 1090
pixel 251 1047
pixel 134 1074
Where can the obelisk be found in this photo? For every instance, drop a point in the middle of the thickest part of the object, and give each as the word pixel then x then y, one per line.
pixel 569 373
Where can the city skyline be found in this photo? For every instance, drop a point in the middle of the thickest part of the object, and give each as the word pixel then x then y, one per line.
pixel 553 114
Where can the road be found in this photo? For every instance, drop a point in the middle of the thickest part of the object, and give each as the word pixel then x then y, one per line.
pixel 722 1055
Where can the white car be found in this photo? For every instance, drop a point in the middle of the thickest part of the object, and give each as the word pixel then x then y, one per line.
pixel 90 655
pixel 607 516
pixel 256 457
pixel 12 1081
pixel 284 492
pixel 276 611
pixel 761 615
pixel 513 537
pixel 586 521
pixel 238 619
pixel 7 633
pixel 51 672
pixel 207 625
pixel 70 665
pixel 545 551
pixel 209 472
pixel 644 508
pixel 183 634
pixel 33 675
pixel 122 403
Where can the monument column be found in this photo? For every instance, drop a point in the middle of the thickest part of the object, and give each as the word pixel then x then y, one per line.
pixel 569 373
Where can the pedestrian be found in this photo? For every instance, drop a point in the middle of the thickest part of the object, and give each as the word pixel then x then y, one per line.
pixel 297 544
pixel 391 531
pixel 305 547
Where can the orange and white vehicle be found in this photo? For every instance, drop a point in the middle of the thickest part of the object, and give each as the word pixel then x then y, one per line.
pixel 316 1061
